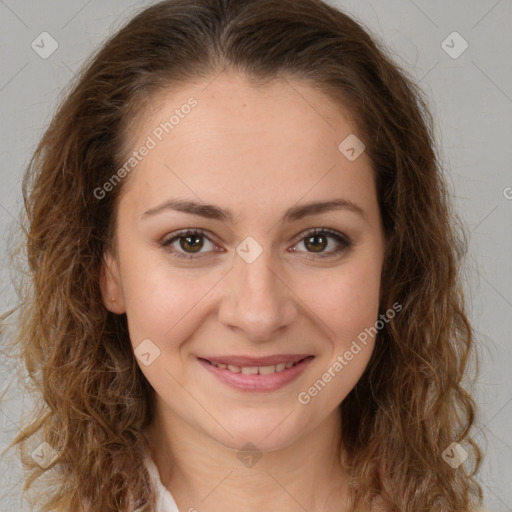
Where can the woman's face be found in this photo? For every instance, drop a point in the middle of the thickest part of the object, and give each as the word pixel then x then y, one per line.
pixel 255 282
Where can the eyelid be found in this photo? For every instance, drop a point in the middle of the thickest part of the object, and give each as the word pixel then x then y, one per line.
pixel 319 231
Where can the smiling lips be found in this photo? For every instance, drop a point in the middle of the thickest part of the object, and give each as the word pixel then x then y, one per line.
pixel 253 370
pixel 257 374
pixel 260 365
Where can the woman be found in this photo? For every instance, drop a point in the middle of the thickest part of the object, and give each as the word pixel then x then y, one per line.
pixel 245 289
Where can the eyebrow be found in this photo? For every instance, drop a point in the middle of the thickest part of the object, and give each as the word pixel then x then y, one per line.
pixel 292 214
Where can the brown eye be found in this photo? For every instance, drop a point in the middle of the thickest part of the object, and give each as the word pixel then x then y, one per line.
pixel 317 240
pixel 190 242
pixel 316 243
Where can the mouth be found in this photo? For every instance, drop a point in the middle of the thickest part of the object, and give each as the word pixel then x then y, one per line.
pixel 262 374
pixel 257 369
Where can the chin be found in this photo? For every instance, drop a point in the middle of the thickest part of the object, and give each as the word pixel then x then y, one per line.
pixel 264 436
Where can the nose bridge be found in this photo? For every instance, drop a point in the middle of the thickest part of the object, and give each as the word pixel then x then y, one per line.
pixel 259 279
pixel 257 300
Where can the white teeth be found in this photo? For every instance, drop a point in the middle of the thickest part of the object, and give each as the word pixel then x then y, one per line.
pixel 253 370
pixel 266 370
pixel 250 370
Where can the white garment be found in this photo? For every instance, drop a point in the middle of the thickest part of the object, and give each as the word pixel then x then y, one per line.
pixel 164 502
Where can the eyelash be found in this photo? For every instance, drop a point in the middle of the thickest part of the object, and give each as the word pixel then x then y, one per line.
pixel 343 240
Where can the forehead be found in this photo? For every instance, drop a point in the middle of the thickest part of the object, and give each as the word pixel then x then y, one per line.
pixel 253 145
pixel 232 100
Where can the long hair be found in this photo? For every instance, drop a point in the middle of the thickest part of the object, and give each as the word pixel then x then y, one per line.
pixel 412 400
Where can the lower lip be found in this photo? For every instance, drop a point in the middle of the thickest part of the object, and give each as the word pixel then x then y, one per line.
pixel 257 382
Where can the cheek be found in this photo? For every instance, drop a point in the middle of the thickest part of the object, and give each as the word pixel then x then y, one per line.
pixel 347 300
pixel 161 300
pixel 347 304
pixel 165 309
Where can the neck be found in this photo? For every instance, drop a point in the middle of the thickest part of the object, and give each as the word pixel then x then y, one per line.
pixel 205 475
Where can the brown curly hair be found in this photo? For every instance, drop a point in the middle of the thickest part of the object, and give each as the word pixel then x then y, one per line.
pixel 412 400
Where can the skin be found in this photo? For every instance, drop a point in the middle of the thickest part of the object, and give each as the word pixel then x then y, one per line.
pixel 256 151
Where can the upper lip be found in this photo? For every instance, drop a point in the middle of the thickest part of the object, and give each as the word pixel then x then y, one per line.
pixel 257 361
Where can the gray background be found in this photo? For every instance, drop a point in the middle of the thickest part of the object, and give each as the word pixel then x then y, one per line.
pixel 470 96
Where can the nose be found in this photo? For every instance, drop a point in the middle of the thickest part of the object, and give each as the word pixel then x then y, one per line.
pixel 256 300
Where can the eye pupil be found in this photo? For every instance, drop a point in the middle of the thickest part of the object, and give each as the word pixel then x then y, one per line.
pixel 317 247
pixel 195 242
